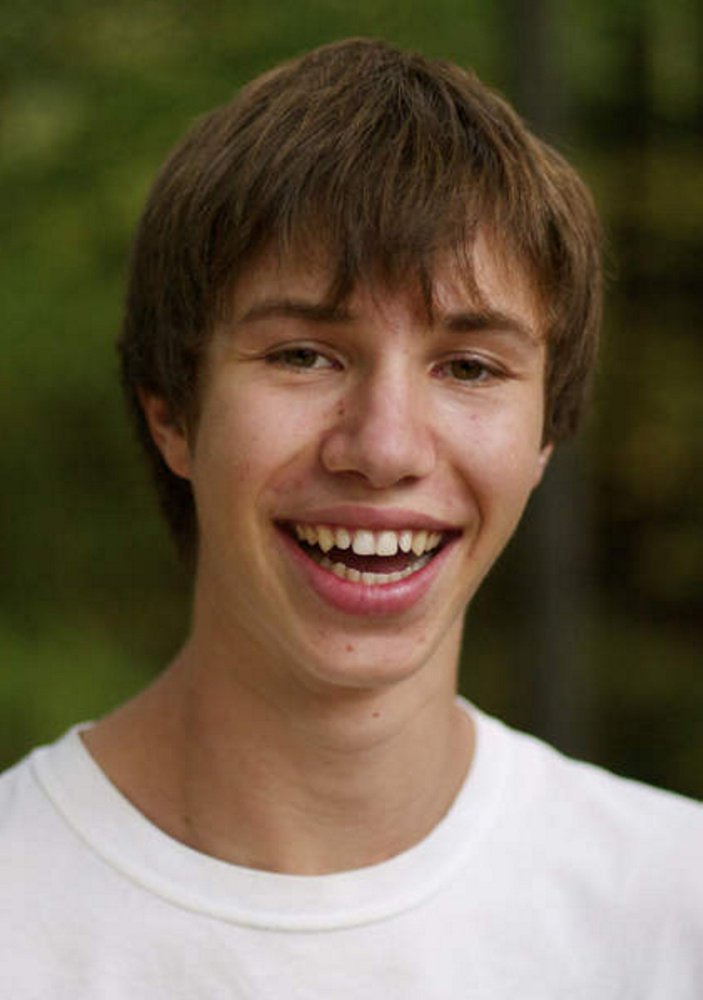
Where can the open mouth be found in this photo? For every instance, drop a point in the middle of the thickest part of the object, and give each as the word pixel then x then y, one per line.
pixel 373 558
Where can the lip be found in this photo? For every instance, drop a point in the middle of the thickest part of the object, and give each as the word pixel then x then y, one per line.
pixel 360 598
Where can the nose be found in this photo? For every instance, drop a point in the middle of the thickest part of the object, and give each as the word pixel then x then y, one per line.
pixel 382 430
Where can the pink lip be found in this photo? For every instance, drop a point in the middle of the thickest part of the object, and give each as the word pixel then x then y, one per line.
pixel 371 518
pixel 360 598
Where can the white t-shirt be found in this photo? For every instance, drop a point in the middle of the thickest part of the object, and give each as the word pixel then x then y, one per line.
pixel 547 879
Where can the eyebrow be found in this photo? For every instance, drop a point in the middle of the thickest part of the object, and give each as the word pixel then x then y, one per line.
pixel 465 321
pixel 490 320
pixel 316 312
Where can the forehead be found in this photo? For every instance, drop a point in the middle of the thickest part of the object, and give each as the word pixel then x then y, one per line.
pixel 484 276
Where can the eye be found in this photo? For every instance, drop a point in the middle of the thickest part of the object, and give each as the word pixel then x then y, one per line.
pixel 467 370
pixel 301 358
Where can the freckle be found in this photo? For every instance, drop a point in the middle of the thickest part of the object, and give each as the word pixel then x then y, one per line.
pixel 376 715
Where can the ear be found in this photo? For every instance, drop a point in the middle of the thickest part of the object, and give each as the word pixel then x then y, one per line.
pixel 543 456
pixel 167 433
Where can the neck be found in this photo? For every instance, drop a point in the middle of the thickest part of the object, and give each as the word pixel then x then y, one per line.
pixel 321 783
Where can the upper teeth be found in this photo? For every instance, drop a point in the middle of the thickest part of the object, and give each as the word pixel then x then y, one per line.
pixel 368 543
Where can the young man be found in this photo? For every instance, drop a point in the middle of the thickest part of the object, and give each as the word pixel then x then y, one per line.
pixel 363 308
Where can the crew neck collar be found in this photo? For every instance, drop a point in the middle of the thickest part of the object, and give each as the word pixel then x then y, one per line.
pixel 114 829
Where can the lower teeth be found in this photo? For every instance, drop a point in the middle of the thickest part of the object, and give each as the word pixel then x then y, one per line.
pixel 371 579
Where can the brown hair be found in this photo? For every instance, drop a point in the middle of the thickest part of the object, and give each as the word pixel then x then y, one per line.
pixel 384 158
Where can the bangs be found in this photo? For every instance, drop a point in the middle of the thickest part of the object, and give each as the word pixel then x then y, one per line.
pixel 383 173
pixel 386 245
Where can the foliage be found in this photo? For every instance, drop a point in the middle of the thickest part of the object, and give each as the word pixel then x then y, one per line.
pixel 93 95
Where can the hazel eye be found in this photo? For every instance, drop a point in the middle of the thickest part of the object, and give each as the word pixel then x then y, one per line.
pixel 302 358
pixel 467 370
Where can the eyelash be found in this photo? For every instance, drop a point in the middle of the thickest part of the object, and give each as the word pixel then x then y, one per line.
pixel 289 358
pixel 283 358
pixel 482 370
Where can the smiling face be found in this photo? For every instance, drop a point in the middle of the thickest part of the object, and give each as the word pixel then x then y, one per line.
pixel 357 470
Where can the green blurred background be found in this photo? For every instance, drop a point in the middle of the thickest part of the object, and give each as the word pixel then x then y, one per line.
pixel 590 631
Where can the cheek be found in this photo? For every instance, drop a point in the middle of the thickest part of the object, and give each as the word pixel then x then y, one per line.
pixel 249 441
pixel 499 459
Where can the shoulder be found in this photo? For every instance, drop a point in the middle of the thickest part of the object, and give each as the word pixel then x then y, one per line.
pixel 26 816
pixel 612 863
pixel 35 837
pixel 547 771
pixel 621 806
pixel 571 793
pixel 19 799
pixel 621 833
